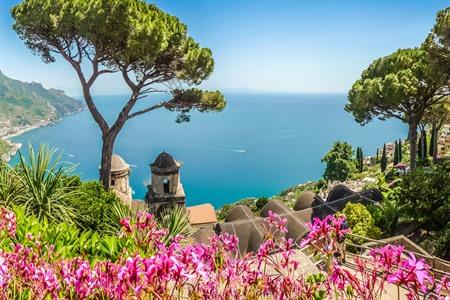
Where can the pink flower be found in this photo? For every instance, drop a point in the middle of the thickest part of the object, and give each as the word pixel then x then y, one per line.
pixel 8 221
pixel 4 274
pixel 275 221
pixel 412 273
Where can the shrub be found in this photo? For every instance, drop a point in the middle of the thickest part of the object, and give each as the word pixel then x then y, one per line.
pixel 95 206
pixel 361 222
pixel 425 193
pixel 441 243
pixel 387 214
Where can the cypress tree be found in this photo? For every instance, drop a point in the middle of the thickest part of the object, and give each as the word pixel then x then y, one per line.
pixel 357 158
pixel 424 145
pixel 361 158
pixel 383 162
pixel 378 155
pixel 396 153
pixel 400 150
pixel 431 149
pixel 419 148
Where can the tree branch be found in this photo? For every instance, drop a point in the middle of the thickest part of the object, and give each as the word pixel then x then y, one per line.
pixel 156 106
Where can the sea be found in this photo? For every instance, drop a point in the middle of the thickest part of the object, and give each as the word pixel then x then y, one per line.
pixel 259 145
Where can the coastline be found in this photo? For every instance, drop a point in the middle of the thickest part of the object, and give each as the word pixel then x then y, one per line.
pixel 16 131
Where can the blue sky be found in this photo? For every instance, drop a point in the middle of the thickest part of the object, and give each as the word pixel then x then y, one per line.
pixel 289 46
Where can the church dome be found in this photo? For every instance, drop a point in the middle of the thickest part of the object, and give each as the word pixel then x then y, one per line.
pixel 118 164
pixel 164 161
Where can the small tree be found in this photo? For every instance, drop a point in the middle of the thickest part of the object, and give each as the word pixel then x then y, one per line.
pixel 400 150
pixel 149 48
pixel 383 161
pixel 340 162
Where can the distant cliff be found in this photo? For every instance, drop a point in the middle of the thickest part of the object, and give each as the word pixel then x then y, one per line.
pixel 25 106
pixel 29 104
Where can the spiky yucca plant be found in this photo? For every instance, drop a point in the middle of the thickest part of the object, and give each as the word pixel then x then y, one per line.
pixel 10 189
pixel 175 220
pixel 46 185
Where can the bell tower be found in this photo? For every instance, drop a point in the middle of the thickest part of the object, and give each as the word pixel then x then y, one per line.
pixel 120 172
pixel 165 189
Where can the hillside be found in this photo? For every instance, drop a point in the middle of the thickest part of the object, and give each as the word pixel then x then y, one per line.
pixel 27 104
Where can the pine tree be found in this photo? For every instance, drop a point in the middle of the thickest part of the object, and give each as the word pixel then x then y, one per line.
pixel 396 153
pixel 383 162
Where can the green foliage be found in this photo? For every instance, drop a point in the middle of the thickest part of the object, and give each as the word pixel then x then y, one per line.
pixel 96 206
pixel 5 147
pixel 176 221
pixel 438 42
pixel 387 214
pixel 359 159
pixel 383 161
pixel 10 188
pixel 261 202
pixel 441 243
pixel 130 36
pixel 390 87
pixel 68 240
pixel 340 162
pixel 394 86
pixel 361 222
pixel 400 150
pixel 422 147
pixel 46 186
pixel 396 155
pixel 425 193
pixel 255 204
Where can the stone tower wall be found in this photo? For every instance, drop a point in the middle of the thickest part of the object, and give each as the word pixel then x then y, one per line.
pixel 158 183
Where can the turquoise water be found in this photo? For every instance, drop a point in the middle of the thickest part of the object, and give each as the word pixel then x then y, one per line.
pixel 259 145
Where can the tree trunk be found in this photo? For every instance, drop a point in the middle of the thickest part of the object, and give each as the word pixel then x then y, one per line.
pixel 105 165
pixel 412 136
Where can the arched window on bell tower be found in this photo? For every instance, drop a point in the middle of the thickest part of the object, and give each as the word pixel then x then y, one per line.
pixel 166 186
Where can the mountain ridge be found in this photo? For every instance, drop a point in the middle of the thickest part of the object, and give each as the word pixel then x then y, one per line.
pixel 25 104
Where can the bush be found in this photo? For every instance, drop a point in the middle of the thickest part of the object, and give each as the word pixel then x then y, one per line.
pixel 361 222
pixel 441 243
pixel 95 206
pixel 426 196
